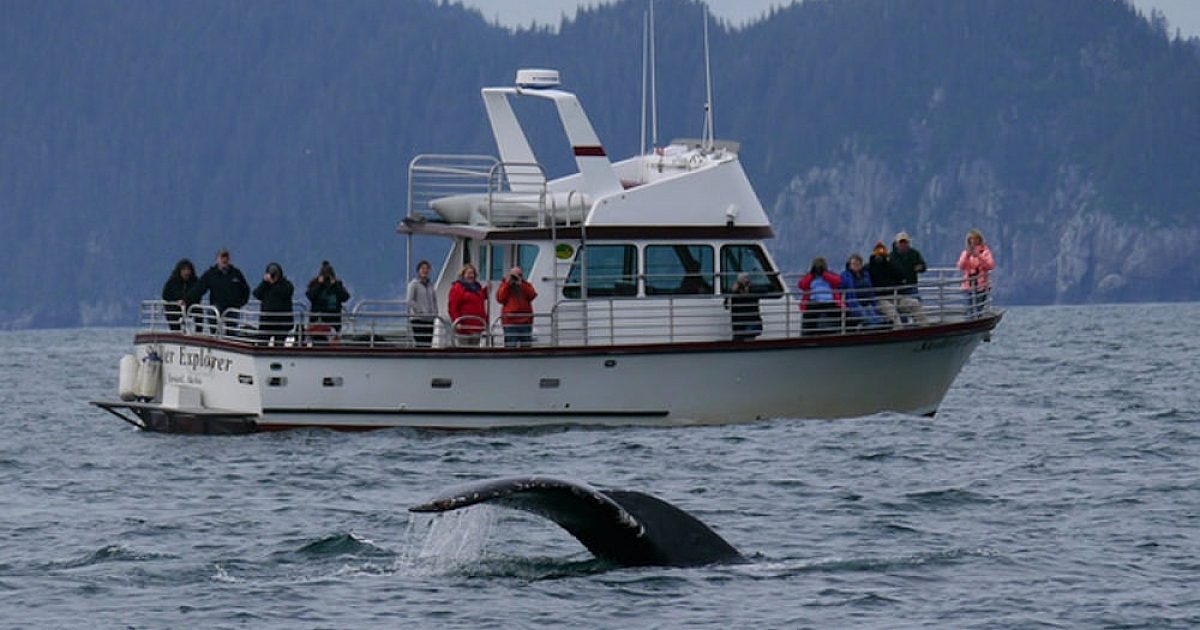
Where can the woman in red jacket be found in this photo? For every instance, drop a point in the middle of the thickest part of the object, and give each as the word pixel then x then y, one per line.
pixel 468 301
pixel 976 263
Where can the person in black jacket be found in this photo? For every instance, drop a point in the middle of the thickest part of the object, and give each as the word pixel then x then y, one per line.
pixel 175 292
pixel 226 288
pixel 327 294
pixel 890 300
pixel 275 293
pixel 742 303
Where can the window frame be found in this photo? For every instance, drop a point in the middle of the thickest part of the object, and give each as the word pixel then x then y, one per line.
pixel 682 280
pixel 626 287
pixel 772 286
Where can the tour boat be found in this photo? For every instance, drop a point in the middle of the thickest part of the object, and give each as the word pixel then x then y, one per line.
pixel 633 263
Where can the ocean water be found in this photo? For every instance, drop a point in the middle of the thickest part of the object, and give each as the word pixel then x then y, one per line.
pixel 1057 487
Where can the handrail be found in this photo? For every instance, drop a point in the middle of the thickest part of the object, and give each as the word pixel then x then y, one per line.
pixel 597 320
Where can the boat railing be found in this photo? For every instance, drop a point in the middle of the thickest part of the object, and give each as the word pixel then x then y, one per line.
pixel 375 306
pixel 438 176
pixel 616 318
pixel 363 327
pixel 517 195
pixel 477 189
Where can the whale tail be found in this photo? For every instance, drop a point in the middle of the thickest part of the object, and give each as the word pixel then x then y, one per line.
pixel 625 527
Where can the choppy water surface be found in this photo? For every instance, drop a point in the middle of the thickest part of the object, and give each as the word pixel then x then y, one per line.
pixel 1058 487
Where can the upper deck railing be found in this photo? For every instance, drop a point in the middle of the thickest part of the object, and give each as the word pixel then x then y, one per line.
pixel 478 190
pixel 595 321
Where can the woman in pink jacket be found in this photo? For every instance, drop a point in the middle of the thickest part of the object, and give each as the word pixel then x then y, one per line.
pixel 976 263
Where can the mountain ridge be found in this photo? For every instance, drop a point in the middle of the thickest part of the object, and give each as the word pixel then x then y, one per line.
pixel 140 132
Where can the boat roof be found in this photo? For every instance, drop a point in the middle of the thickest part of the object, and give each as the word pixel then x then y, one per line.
pixel 687 187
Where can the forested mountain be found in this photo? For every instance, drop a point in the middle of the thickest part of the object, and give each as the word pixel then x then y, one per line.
pixel 134 132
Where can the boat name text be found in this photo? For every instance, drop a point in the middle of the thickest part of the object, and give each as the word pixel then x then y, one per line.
pixel 197 359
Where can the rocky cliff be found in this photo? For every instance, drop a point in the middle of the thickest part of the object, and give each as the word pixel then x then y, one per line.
pixel 1056 247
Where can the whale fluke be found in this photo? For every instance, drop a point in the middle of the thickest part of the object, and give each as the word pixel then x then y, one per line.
pixel 624 527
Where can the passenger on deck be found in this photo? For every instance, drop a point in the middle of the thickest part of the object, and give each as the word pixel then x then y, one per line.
pixel 422 306
pixel 885 278
pixel 976 263
pixel 275 292
pixel 226 287
pixel 175 291
pixel 468 301
pixel 743 309
pixel 859 295
pixel 821 302
pixel 908 262
pixel 516 295
pixel 326 295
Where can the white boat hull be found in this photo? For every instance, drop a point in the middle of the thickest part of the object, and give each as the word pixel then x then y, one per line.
pixel 906 371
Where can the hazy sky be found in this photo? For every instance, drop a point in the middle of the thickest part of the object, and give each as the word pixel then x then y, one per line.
pixel 1181 14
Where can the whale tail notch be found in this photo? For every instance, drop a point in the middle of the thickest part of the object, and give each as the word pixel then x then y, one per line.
pixel 625 527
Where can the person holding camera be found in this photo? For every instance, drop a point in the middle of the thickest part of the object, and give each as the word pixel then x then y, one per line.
pixel 742 303
pixel 326 295
pixel 516 295
pixel 275 292
pixel 976 263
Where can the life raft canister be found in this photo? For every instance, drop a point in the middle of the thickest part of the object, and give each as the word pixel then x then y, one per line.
pixel 149 376
pixel 127 379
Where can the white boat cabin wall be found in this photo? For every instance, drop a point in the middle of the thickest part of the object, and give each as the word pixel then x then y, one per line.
pixel 652 236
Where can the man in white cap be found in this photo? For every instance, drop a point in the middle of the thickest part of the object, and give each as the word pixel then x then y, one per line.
pixel 908 263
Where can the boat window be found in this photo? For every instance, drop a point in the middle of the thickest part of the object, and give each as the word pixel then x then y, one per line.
pixel 679 269
pixel 738 259
pixel 611 271
pixel 505 256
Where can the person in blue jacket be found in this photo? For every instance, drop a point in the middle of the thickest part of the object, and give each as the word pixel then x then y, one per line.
pixel 859 295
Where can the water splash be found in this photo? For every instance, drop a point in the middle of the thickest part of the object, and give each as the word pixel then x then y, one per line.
pixel 447 542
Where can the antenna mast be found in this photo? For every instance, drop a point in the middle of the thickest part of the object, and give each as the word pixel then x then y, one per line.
pixel 653 84
pixel 708 135
pixel 645 44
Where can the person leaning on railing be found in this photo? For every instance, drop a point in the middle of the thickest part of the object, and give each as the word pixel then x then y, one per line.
pixel 175 292
pixel 821 301
pixel 909 264
pixel 976 263
pixel 226 287
pixel 859 295
pixel 891 304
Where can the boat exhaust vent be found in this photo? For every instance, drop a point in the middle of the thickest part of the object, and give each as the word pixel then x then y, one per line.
pixel 537 78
